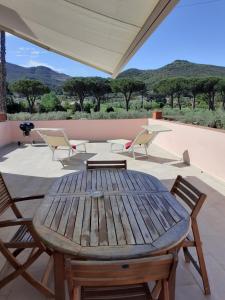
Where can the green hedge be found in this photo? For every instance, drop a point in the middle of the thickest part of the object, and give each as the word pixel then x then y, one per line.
pixel 203 117
pixel 78 115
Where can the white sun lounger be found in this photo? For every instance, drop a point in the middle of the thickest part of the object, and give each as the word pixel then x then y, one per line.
pixel 143 139
pixel 57 139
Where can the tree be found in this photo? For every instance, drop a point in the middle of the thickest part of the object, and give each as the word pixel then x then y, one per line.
pixel 220 87
pixel 167 88
pixel 2 73
pixel 180 88
pixel 209 88
pixel 50 102
pixel 126 87
pixel 195 87
pixel 31 89
pixel 77 86
pixel 98 87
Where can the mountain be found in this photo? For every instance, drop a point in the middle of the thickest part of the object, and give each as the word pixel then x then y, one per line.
pixel 178 68
pixel 44 74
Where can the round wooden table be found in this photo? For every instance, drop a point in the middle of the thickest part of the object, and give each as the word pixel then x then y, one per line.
pixel 108 214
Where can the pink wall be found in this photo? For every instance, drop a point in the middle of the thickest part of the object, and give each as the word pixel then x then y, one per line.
pixel 93 130
pixel 205 147
pixel 5 133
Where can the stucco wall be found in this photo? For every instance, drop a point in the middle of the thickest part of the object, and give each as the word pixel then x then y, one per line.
pixel 5 133
pixel 203 147
pixel 93 130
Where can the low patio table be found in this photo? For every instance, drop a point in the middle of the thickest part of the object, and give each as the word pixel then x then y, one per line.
pixel 108 214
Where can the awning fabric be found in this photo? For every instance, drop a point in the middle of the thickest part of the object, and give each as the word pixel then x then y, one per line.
pixel 101 33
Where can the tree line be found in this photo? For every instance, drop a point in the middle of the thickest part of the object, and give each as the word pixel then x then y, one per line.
pixel 170 90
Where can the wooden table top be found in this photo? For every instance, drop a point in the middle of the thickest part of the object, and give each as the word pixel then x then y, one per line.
pixel 110 214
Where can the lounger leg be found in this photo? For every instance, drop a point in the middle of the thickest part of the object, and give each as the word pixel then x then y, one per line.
pixel 133 153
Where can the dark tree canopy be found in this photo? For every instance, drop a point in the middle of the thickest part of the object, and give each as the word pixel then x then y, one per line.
pixel 98 87
pixel 127 87
pixel 77 86
pixel 31 89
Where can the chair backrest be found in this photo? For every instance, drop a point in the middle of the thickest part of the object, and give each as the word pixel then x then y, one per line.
pixel 55 141
pixel 107 164
pixel 108 273
pixel 6 199
pixel 192 197
pixel 143 138
pixel 54 137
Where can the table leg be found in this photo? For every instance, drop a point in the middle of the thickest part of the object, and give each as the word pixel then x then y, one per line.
pixel 59 271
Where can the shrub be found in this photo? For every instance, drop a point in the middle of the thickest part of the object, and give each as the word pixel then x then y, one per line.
pixel 109 109
pixel 50 102
pixel 87 107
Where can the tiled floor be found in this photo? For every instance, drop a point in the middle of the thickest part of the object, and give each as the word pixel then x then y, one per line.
pixel 30 170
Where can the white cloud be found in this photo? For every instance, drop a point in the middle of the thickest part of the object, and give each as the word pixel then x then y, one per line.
pixel 34 63
pixel 28 52
pixel 8 34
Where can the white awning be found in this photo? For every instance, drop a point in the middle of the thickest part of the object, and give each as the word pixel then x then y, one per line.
pixel 104 34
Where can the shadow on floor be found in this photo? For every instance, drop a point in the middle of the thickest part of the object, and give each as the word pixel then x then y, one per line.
pixel 149 158
pixel 78 161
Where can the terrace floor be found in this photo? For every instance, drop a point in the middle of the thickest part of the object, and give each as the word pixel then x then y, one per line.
pixel 30 170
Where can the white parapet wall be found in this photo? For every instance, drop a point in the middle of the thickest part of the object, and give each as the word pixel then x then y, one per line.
pixel 199 146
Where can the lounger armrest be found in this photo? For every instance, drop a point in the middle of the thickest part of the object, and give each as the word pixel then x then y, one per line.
pixel 19 199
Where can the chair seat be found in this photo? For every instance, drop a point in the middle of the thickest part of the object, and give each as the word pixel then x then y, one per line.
pixel 133 292
pixel 21 238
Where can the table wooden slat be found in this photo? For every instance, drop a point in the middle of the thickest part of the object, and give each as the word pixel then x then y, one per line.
pixel 110 214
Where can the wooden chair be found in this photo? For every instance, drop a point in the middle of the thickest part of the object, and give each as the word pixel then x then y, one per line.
pixel 124 279
pixel 107 164
pixel 24 238
pixel 193 199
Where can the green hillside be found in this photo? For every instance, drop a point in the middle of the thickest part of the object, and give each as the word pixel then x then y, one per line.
pixel 179 68
pixel 44 74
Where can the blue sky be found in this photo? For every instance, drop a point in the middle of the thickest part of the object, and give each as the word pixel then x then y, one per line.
pixel 193 31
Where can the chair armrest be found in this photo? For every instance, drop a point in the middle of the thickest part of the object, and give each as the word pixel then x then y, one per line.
pixel 16 222
pixel 19 199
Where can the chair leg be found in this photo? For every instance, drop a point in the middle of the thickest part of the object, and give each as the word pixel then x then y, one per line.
pixel 76 293
pixel 166 294
pixel 186 257
pixel 201 259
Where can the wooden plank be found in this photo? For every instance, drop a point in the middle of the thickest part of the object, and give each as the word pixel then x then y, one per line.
pixel 84 182
pixel 121 239
pixel 103 180
pixel 147 219
pixel 103 234
pixel 140 221
pixel 113 180
pixel 85 236
pixel 130 184
pixel 158 212
pixel 125 222
pixel 52 210
pixel 79 221
pixel 68 184
pixel 163 209
pixel 62 184
pixel 78 183
pixel 72 218
pixel 163 198
pixel 108 180
pixel 58 214
pixel 89 180
pixel 135 228
pixel 65 214
pixel 150 210
pixel 110 223
pixel 94 236
pixel 98 180
pixel 94 180
pixel 118 180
